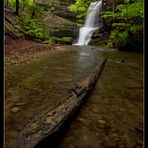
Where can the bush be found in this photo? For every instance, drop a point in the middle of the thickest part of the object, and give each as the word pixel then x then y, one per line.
pixel 126 29
pixel 35 28
pixel 67 39
pixel 117 39
pixel 49 41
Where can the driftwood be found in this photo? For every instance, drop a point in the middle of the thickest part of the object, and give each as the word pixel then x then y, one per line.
pixel 51 121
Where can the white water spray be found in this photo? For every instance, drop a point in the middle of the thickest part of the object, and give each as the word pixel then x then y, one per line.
pixel 91 24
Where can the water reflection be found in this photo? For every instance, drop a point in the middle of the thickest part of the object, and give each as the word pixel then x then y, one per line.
pixel 114 111
pixel 42 84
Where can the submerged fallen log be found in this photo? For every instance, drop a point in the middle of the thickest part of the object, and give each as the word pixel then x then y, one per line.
pixel 51 121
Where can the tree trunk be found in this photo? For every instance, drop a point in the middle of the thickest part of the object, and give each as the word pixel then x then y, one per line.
pixel 33 11
pixel 113 6
pixel 47 124
pixel 24 4
pixel 7 3
pixel 17 8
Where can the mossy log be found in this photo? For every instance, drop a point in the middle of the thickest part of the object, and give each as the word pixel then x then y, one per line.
pixel 50 121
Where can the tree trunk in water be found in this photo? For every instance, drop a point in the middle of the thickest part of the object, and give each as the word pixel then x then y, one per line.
pixel 46 125
pixel 17 7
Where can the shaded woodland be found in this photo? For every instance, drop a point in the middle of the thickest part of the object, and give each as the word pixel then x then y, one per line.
pixel 58 22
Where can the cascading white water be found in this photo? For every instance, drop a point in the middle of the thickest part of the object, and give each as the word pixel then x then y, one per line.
pixel 91 24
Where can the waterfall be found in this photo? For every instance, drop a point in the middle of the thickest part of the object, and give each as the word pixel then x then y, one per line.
pixel 91 24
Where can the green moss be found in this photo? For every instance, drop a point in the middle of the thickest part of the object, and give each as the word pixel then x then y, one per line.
pixel 49 41
pixel 35 28
pixel 67 39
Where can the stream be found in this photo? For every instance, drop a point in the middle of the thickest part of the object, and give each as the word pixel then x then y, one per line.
pixel 111 117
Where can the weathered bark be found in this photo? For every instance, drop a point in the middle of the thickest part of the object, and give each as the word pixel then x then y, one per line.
pixel 49 122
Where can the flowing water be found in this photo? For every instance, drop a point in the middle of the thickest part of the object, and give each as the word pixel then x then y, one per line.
pixel 91 24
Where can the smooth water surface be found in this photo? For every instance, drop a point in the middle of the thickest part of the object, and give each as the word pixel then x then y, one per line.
pixel 32 87
pixel 112 117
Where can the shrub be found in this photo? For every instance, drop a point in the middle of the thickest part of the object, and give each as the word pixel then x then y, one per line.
pixel 35 28
pixel 118 39
pixel 67 39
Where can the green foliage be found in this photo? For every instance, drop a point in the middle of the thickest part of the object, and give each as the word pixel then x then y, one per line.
pixel 32 23
pixel 127 24
pixel 52 8
pixel 22 3
pixel 37 10
pixel 80 7
pixel 129 10
pixel 34 28
pixel 107 14
pixel 67 39
pixel 63 40
pixel 135 28
pixel 118 39
pixel 31 18
pixel 49 41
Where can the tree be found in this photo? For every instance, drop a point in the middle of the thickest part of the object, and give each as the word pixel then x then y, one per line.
pixel 127 29
pixel 80 7
pixel 33 11
pixel 17 7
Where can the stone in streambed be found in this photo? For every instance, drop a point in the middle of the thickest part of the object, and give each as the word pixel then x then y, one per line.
pixel 21 104
pixel 15 109
pixel 102 121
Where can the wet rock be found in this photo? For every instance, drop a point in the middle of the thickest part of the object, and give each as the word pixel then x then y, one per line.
pixel 34 125
pixel 21 104
pixel 92 48
pixel 139 129
pixel 15 109
pixel 102 121
pixel 71 146
pixel 13 133
pixel 81 119
pixel 122 109
pixel 46 67
pixel 140 142
pixel 13 62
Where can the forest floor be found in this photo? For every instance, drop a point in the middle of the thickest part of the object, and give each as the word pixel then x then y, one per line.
pixel 22 50
pixel 22 46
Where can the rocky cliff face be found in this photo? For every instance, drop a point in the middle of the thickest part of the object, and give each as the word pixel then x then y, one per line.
pixel 48 2
pixel 54 2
